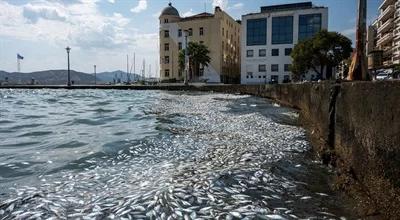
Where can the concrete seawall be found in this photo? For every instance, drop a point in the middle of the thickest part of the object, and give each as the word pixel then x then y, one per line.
pixel 353 126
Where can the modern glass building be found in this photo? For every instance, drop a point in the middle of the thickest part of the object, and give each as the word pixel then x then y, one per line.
pixel 269 36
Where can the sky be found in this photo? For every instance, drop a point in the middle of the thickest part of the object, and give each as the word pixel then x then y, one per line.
pixel 104 32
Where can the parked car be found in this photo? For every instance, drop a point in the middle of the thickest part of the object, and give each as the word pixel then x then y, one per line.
pixel 383 76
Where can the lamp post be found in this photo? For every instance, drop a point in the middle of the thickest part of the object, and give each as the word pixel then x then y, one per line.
pixel 69 72
pixel 95 78
pixel 186 59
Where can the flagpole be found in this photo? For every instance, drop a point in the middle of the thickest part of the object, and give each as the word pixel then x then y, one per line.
pixel 18 65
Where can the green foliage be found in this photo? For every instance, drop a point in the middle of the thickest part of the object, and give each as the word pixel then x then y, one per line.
pixel 325 49
pixel 198 56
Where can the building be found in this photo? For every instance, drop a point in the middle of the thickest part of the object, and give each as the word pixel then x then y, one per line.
pixel 388 32
pixel 269 36
pixel 375 56
pixel 218 31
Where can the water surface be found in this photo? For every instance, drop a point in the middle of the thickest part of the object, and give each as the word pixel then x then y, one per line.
pixel 95 154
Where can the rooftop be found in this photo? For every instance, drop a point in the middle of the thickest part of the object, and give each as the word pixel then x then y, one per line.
pixel 170 10
pixel 286 7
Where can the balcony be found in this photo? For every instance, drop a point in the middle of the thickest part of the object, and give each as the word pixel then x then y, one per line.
pixel 386 26
pixel 387 13
pixel 385 3
pixel 385 39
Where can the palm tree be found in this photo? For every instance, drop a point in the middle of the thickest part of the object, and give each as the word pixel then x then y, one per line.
pixel 198 56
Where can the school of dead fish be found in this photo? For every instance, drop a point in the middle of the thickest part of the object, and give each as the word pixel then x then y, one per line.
pixel 208 164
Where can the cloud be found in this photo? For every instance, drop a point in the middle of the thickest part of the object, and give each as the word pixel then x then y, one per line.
pixel 349 32
pixel 141 6
pixel 188 13
pixel 79 24
pixel 94 36
pixel 111 1
pixel 236 6
pixel 35 12
pixel 221 3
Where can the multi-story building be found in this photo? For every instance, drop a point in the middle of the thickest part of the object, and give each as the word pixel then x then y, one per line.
pixel 388 32
pixel 218 31
pixel 269 36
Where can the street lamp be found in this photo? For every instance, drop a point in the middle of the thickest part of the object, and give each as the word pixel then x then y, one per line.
pixel 69 72
pixel 186 58
pixel 95 78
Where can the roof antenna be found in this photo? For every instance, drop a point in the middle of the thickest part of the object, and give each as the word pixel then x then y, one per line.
pixel 205 6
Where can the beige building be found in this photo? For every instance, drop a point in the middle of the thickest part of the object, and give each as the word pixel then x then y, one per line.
pixel 388 32
pixel 218 31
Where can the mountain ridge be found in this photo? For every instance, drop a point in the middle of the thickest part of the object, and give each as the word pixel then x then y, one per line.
pixel 60 76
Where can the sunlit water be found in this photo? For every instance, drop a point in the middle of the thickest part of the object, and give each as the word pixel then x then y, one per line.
pixel 94 154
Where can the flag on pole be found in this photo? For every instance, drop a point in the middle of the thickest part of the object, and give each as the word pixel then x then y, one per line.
pixel 19 57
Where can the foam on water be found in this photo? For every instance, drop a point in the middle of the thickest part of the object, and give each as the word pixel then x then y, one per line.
pixel 163 155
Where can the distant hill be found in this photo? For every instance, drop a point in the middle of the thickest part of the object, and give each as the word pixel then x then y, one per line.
pixel 59 77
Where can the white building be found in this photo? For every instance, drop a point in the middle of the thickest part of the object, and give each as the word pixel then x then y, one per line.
pixel 269 36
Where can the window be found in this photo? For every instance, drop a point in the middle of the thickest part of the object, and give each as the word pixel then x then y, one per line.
pixel 274 78
pixel 165 21
pixel 166 59
pixel 166 34
pixel 180 45
pixel 287 67
pixel 223 31
pixel 309 25
pixel 249 75
pixel 250 53
pixel 180 33
pixel 288 51
pixel 223 46
pixel 274 67
pixel 201 31
pixel 262 53
pixel 262 68
pixel 166 47
pixel 282 30
pixel 275 52
pixel 190 32
pixel 256 32
pixel 286 78
pixel 201 42
pixel 180 73
pixel 259 77
pixel 166 73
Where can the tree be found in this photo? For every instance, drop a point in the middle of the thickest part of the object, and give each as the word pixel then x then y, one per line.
pixel 325 49
pixel 198 56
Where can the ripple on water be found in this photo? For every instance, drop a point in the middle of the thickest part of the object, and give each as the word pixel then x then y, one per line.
pixel 17 127
pixel 85 121
pixel 19 144
pixel 36 134
pixel 71 144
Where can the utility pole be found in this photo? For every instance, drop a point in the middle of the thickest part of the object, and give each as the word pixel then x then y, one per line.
pixel 358 69
pixel 95 78
pixel 69 72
